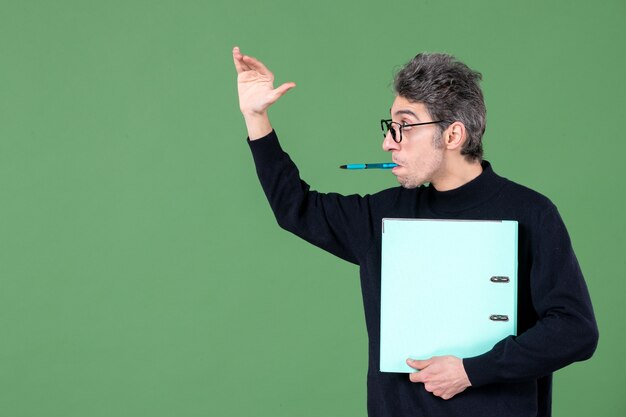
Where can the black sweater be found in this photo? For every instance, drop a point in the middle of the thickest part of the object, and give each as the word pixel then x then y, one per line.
pixel 556 324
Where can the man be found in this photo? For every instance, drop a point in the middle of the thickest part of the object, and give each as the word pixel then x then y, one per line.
pixel 434 135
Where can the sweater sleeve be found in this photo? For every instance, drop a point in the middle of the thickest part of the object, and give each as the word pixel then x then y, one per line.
pixel 336 223
pixel 566 329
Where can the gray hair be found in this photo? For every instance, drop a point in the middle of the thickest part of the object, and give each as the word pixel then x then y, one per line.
pixel 450 91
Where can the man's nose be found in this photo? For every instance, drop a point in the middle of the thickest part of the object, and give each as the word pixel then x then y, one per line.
pixel 389 144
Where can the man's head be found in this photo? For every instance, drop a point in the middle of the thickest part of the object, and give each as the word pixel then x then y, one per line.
pixel 436 87
pixel 450 91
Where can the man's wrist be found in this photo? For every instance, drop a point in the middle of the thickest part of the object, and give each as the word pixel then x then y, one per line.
pixel 258 125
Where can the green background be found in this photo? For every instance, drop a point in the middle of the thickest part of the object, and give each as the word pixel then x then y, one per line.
pixel 141 270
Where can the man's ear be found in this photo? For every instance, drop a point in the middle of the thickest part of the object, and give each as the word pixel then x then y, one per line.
pixel 454 136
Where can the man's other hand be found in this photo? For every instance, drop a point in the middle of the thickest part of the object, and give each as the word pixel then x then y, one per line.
pixel 443 376
pixel 256 85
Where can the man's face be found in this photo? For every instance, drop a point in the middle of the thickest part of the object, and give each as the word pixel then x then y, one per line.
pixel 419 159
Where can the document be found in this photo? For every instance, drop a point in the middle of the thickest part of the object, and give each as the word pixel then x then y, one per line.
pixel 448 287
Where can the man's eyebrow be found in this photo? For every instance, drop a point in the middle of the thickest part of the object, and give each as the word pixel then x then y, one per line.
pixel 409 112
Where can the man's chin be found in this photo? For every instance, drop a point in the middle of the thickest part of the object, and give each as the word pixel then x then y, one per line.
pixel 407 183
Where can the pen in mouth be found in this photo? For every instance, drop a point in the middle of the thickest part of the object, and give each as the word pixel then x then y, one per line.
pixel 378 165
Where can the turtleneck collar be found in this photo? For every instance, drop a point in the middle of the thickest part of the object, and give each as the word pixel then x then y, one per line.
pixel 467 196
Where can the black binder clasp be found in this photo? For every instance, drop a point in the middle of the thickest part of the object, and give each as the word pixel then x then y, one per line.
pixel 500 279
pixel 499 317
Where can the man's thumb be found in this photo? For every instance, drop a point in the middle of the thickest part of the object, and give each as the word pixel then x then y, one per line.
pixel 417 364
pixel 278 92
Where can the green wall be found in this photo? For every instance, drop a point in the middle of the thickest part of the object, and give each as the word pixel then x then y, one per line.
pixel 141 270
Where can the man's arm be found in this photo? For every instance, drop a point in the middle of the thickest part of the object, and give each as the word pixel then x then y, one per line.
pixel 338 224
pixel 565 331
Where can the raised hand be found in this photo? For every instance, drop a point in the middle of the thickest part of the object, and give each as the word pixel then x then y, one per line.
pixel 255 84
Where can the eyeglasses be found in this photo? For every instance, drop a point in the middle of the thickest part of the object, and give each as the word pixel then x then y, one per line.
pixel 396 128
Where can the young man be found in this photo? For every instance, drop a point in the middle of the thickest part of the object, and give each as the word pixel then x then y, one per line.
pixel 434 135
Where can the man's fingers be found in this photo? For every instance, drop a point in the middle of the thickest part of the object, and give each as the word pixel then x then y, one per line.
pixel 257 65
pixel 416 377
pixel 238 59
pixel 240 64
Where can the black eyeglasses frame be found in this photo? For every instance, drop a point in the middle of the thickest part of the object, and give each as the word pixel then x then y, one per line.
pixel 387 126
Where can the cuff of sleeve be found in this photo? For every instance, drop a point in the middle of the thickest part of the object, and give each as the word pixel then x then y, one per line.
pixel 265 148
pixel 480 370
pixel 270 135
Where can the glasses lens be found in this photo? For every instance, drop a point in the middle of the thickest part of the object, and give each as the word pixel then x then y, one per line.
pixel 392 127
pixel 387 125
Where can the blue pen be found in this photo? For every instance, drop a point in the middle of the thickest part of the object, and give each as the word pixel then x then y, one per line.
pixel 382 165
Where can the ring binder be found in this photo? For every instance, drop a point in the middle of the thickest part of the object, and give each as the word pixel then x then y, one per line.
pixel 431 306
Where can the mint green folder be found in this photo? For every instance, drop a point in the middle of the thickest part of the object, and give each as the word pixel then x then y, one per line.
pixel 448 287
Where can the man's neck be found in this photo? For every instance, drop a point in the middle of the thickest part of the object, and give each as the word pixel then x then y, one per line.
pixel 455 175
